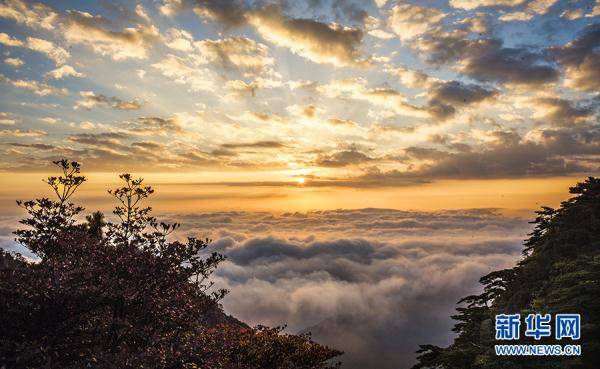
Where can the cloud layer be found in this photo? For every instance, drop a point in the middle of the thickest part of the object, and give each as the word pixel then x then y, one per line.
pixel 372 282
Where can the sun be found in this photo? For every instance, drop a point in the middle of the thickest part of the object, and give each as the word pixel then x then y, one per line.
pixel 300 180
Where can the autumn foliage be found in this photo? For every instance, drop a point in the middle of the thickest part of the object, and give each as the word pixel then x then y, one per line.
pixel 124 295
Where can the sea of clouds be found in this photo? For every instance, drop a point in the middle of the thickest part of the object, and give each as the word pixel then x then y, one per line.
pixel 374 283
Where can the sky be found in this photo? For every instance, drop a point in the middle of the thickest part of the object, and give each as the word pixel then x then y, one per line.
pixel 361 163
pixel 316 93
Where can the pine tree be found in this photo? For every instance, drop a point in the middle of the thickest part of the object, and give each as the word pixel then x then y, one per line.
pixel 559 273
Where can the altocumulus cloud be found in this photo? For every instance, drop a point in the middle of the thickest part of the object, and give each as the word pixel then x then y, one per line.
pixel 317 41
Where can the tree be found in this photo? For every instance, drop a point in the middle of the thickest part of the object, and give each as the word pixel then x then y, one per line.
pixel 559 273
pixel 50 218
pixel 95 224
pixel 127 297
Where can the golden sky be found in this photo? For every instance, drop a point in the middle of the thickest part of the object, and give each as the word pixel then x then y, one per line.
pixel 189 193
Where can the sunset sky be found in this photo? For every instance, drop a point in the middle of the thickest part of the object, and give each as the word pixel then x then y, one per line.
pixel 309 93
pixel 340 152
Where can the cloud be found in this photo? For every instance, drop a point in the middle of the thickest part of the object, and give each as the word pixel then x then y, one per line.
pixel 8 40
pixel 90 100
pixel 572 14
pixel 344 88
pixel 99 139
pixel 581 60
pixel 410 77
pixel 319 42
pixel 64 71
pixel 409 21
pixel 87 125
pixel 487 59
pixel 37 146
pixel 58 54
pixel 473 4
pixel 22 133
pixel 34 15
pixel 122 149
pixel 240 88
pixel 254 145
pixel 150 126
pixel 378 33
pixel 372 26
pixel 7 119
pixel 227 55
pixel 240 53
pixel 36 87
pixel 445 98
pixel 49 120
pixel 316 41
pixel 533 8
pixel 477 24
pixel 356 88
pixel 306 111
pixel 179 69
pixel 264 117
pixel 14 62
pixel 179 39
pixel 372 282
pixel 349 11
pixel 520 16
pixel 87 29
pixel 441 46
pixel 494 154
pixel 561 112
pixel 98 150
pixel 170 7
pixel 271 249
pixel 342 158
pixel 595 11
pixel 231 13
pixel 384 96
pixel 142 13
pixel 341 122
pixel 508 65
pixel 545 152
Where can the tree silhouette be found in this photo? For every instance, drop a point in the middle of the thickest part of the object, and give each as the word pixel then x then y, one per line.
pixel 125 298
pixel 95 224
pixel 49 218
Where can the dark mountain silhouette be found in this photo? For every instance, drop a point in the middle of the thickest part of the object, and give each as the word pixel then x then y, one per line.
pixel 559 273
